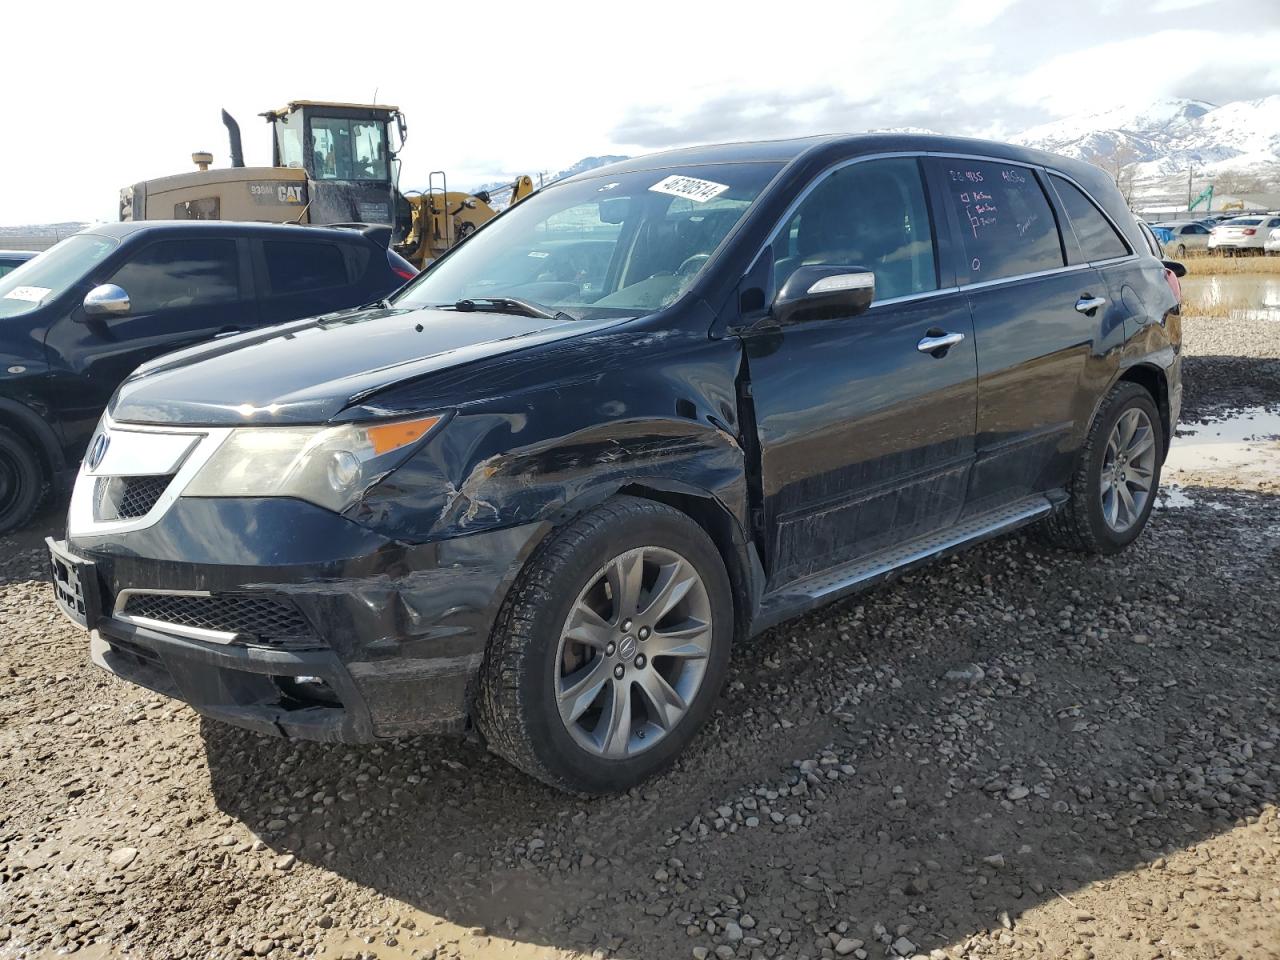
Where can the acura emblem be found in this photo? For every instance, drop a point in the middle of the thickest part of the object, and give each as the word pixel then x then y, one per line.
pixel 98 450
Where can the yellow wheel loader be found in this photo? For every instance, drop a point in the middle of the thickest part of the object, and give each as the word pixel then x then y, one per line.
pixel 331 163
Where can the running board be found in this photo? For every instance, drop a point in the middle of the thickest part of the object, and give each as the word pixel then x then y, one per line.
pixel 812 592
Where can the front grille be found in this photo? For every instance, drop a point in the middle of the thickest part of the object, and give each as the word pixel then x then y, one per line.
pixel 127 498
pixel 268 621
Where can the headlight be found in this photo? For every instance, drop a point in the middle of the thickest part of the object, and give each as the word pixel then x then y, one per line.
pixel 329 466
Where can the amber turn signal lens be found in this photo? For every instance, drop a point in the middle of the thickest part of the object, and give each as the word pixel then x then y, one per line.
pixel 392 436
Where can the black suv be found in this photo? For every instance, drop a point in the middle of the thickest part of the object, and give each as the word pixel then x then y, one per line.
pixel 643 415
pixel 78 318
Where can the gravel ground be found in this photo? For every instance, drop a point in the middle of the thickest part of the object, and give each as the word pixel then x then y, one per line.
pixel 1017 752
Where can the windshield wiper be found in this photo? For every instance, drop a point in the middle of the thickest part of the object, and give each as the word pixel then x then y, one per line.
pixel 523 308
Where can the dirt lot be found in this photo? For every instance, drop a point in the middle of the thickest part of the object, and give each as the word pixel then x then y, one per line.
pixel 1015 753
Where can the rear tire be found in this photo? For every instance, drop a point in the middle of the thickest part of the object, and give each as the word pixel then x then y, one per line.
pixel 1113 489
pixel 566 691
pixel 22 481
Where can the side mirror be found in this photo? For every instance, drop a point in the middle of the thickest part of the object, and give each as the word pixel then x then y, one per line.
pixel 106 300
pixel 1177 268
pixel 824 293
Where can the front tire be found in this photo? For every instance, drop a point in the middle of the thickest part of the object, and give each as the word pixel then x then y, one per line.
pixel 1113 489
pixel 22 481
pixel 610 650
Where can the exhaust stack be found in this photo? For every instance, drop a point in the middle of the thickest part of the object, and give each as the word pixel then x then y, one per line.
pixel 233 132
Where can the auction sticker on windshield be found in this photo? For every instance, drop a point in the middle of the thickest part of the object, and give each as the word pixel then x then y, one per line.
pixel 30 294
pixel 691 188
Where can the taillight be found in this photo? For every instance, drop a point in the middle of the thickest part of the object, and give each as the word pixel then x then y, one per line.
pixel 400 267
pixel 1249 231
pixel 1174 285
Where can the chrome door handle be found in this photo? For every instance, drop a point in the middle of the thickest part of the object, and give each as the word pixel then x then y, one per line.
pixel 930 344
pixel 1089 304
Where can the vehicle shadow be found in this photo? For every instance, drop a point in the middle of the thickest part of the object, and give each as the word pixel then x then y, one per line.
pixel 1000 729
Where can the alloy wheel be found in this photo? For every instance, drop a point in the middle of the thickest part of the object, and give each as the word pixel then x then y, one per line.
pixel 633 652
pixel 1128 469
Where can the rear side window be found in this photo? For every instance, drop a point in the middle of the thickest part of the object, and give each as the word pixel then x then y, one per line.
pixel 299 266
pixel 871 214
pixel 1006 224
pixel 171 274
pixel 1098 239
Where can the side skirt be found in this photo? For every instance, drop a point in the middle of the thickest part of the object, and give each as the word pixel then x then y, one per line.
pixel 812 592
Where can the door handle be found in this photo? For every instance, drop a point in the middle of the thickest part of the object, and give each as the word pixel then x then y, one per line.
pixel 938 345
pixel 1088 304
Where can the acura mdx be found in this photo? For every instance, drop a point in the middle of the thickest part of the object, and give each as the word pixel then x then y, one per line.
pixel 545 489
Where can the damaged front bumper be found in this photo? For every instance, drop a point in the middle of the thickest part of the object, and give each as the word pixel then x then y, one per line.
pixel 282 617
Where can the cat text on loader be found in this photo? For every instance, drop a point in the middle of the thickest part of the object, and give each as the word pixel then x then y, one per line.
pixel 332 163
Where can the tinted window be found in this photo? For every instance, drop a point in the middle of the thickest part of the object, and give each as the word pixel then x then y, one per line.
pixel 1006 223
pixel 297 266
pixel 181 273
pixel 1098 239
pixel 871 215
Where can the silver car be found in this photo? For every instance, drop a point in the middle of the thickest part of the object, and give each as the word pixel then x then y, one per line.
pixel 1188 236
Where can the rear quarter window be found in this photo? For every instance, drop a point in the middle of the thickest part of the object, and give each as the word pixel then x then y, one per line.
pixel 1007 226
pixel 1098 239
pixel 296 266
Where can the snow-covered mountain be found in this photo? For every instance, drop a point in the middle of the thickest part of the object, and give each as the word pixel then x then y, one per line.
pixel 1170 136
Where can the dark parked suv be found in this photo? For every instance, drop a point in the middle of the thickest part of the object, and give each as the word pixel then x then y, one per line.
pixel 76 320
pixel 748 379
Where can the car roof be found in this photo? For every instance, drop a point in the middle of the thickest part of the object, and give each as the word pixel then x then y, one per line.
pixel 838 146
pixel 130 228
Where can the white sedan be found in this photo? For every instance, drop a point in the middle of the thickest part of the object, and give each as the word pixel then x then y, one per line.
pixel 1242 234
pixel 1272 245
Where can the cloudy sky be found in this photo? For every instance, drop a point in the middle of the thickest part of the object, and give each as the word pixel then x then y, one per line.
pixel 121 92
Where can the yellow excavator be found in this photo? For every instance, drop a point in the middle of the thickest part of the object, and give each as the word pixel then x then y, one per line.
pixel 331 163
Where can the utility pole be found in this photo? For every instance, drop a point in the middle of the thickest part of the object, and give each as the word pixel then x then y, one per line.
pixel 1190 169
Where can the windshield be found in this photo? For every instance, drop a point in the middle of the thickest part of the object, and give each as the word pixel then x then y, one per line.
pixel 348 149
pixel 1244 222
pixel 607 246
pixel 52 273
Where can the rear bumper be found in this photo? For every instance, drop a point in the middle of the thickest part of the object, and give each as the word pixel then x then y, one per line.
pixel 396 631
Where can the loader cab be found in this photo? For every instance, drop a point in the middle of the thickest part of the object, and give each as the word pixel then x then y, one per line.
pixel 348 152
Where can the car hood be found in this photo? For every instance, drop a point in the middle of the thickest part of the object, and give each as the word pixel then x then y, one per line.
pixel 310 370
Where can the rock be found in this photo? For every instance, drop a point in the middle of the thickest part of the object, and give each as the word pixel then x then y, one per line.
pixel 846 946
pixel 971 673
pixel 1017 792
pixel 903 947
pixel 122 857
pixel 995 860
pixel 285 862
pixel 262 947
pixel 732 932
pixel 700 953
